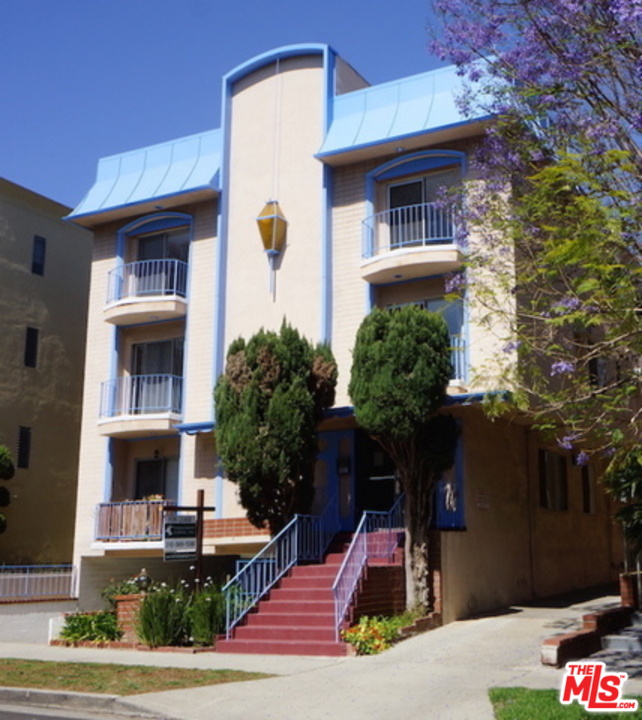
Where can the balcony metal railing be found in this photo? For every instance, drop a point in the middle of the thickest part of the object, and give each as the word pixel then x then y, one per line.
pixel 131 520
pixel 147 279
pixel 37 582
pixel 304 538
pixel 141 395
pixel 406 227
pixel 376 537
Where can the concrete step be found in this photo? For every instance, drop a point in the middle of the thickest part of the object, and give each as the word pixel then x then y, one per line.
pixel 628 640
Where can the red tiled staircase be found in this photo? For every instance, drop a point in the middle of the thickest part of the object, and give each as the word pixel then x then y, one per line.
pixel 297 617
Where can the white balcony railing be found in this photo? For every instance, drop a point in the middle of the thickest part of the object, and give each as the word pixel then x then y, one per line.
pixel 141 395
pixel 408 227
pixel 147 279
pixel 37 582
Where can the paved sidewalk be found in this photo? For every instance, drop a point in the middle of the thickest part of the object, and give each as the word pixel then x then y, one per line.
pixel 441 675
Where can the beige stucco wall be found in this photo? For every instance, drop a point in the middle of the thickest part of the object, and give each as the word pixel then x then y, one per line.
pixel 275 129
pixel 512 550
pixel 46 398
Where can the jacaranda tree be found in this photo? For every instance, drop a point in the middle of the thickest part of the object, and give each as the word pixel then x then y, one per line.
pixel 268 402
pixel 555 208
pixel 400 371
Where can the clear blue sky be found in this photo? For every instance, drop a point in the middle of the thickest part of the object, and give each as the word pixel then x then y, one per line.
pixel 82 79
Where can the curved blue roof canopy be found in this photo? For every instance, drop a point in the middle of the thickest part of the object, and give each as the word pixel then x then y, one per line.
pixel 151 173
pixel 395 110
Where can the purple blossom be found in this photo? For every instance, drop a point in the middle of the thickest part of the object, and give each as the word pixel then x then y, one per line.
pixel 566 442
pixel 582 458
pixel 562 367
pixel 511 346
pixel 454 282
pixel 566 305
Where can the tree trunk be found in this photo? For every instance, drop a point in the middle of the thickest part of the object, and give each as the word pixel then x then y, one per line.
pixel 418 512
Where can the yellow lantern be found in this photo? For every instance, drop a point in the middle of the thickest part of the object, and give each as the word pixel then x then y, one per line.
pixel 272 226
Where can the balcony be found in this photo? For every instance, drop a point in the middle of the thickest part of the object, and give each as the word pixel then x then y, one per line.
pixel 147 291
pixel 136 405
pixel 410 242
pixel 131 521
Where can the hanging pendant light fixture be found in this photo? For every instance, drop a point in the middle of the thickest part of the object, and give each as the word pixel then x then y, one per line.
pixel 272 228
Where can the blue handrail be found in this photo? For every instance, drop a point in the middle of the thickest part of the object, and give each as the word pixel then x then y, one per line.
pixel 304 538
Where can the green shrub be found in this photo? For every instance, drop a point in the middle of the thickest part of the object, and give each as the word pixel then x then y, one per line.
pixel 163 616
pixel 92 627
pixel 119 587
pixel 206 614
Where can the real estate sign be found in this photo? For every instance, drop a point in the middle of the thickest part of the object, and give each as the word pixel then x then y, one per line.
pixel 179 537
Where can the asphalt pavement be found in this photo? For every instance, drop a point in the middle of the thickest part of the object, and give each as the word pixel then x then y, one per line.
pixel 439 675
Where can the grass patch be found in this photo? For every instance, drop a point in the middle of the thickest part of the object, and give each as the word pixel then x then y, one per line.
pixel 111 679
pixel 525 704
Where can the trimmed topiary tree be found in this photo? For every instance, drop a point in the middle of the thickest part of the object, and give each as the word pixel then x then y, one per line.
pixel 400 371
pixel 268 402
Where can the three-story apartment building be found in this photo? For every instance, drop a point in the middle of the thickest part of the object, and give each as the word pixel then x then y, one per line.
pixel 179 272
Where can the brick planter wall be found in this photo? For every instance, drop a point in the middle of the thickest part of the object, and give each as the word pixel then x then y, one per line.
pixel 126 611
pixel 383 592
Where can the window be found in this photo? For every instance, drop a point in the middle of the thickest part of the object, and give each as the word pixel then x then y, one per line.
pixel 553 486
pixel 38 255
pixel 157 477
pixel 415 216
pixel 31 347
pixel 157 369
pixel 24 447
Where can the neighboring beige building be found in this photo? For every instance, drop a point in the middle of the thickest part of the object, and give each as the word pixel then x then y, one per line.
pixel 44 285
pixel 179 271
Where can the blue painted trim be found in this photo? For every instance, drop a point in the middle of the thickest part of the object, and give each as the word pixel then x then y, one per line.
pixel 220 268
pixel 218 489
pixel 470 398
pixel 109 470
pixel 400 138
pixel 280 53
pixel 345 411
pixel 370 299
pixel 466 334
pixel 195 428
pixel 188 323
pixel 154 201
pixel 341 412
pixel 326 257
pixel 155 222
pixel 411 163
pixel 180 490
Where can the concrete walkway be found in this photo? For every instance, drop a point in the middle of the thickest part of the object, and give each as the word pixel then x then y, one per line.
pixel 442 675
